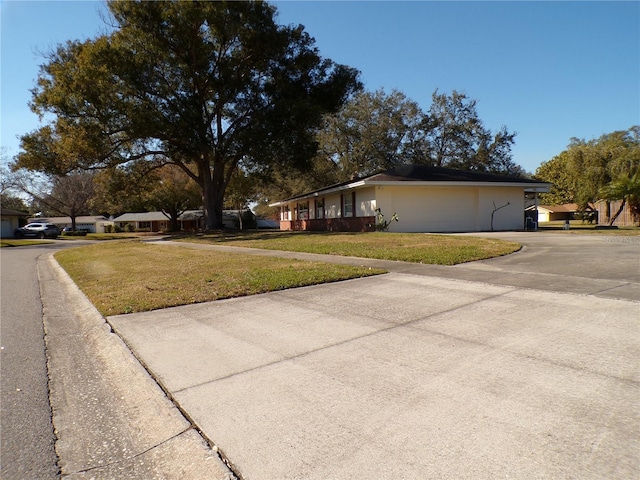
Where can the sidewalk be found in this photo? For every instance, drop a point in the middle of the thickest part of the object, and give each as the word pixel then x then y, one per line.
pixel 111 419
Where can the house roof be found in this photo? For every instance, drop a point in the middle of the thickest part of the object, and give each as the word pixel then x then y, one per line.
pixel 7 212
pixel 142 217
pixel 428 175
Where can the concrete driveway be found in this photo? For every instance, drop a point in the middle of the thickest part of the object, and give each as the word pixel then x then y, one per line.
pixel 412 375
pixel 601 265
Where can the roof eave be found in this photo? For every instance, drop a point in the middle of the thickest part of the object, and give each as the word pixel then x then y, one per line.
pixel 318 193
pixel 540 187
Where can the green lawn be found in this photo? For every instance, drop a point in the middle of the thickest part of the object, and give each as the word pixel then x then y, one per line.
pixel 124 276
pixel 131 276
pixel 408 247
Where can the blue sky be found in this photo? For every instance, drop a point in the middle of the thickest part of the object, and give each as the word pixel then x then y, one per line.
pixel 547 70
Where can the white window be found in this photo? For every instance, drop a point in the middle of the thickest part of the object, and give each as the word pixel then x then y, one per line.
pixel 303 211
pixel 347 205
pixel 320 208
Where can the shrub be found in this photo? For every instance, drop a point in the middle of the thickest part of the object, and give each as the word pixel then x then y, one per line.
pixel 383 225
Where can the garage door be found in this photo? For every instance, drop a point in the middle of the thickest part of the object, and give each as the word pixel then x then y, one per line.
pixel 435 210
pixel 7 228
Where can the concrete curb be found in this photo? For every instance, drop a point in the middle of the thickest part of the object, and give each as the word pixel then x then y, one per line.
pixel 111 419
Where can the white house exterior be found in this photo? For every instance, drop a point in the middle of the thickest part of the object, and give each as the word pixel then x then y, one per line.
pixel 92 224
pixel 10 220
pixel 426 199
pixel 145 221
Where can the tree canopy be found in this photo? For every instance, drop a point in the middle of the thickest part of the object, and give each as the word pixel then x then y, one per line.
pixel 372 132
pixel 626 189
pixel 207 86
pixel 584 172
pixel 457 138
pixel 375 131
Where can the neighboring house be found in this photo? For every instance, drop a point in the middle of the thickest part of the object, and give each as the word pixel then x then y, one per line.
pixel 553 213
pixel 426 199
pixel 143 221
pixel 10 220
pixel 92 224
pixel 190 220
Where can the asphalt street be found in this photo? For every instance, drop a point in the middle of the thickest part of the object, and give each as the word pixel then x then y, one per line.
pixel 27 439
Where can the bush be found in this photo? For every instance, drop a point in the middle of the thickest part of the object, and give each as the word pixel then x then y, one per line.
pixel 77 233
pixel 129 228
pixel 383 225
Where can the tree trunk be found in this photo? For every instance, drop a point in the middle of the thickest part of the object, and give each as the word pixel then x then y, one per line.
pixel 615 216
pixel 212 197
pixel 72 216
pixel 172 215
pixel 175 224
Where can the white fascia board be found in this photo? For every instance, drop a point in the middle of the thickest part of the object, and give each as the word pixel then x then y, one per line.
pixel 320 193
pixel 532 187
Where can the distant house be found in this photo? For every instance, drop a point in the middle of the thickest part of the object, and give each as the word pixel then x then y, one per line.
pixel 143 221
pixel 426 199
pixel 10 220
pixel 190 220
pixel 553 213
pixel 92 224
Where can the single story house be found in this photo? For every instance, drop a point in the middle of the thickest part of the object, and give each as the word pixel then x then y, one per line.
pixel 190 220
pixel 553 213
pixel 425 199
pixel 10 220
pixel 92 224
pixel 145 221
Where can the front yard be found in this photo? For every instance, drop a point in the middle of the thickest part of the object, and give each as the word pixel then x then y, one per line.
pixel 131 276
pixel 407 247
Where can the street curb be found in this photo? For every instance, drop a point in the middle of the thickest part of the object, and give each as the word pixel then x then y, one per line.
pixel 111 419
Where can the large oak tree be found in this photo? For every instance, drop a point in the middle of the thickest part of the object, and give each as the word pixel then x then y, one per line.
pixel 207 86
